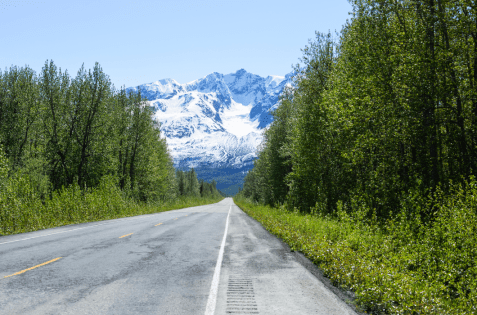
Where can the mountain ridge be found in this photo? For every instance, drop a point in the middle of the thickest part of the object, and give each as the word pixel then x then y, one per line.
pixel 215 121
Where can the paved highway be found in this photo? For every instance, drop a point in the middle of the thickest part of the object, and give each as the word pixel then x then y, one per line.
pixel 208 260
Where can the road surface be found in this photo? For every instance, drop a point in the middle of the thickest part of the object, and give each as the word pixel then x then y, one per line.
pixel 175 262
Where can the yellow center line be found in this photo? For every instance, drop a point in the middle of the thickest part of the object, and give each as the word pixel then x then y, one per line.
pixel 126 235
pixel 20 272
pixel 158 224
pixel 176 218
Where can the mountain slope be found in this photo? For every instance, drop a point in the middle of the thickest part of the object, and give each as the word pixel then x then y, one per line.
pixel 215 123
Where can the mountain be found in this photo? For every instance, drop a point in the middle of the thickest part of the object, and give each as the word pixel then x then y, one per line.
pixel 214 124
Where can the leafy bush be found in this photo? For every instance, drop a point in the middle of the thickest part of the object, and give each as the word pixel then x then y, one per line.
pixel 401 267
pixel 22 210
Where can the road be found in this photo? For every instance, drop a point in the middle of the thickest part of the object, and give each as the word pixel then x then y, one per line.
pixel 175 262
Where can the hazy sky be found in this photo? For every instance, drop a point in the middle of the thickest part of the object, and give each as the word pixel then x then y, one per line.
pixel 143 41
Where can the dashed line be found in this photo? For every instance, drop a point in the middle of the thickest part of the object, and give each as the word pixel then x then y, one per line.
pixel 45 263
pixel 126 235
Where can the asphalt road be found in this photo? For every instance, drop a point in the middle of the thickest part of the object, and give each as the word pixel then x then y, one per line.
pixel 175 262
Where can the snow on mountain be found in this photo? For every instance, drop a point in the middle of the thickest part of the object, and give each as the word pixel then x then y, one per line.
pixel 215 121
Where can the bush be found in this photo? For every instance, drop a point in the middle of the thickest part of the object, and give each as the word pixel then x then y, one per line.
pixel 21 210
pixel 401 267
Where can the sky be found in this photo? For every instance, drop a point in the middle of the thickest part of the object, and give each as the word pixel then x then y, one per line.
pixel 143 41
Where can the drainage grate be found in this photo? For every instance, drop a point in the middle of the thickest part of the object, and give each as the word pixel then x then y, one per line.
pixel 240 296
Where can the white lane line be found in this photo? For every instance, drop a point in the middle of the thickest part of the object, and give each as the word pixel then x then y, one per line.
pixel 212 301
pixel 24 239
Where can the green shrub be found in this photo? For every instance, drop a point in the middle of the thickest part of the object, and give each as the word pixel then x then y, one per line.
pixel 21 210
pixel 401 267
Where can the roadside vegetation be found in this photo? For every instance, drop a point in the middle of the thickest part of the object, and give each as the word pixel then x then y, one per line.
pixel 397 268
pixel 369 165
pixel 78 150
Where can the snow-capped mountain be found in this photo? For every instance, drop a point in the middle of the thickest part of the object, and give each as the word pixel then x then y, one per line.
pixel 215 121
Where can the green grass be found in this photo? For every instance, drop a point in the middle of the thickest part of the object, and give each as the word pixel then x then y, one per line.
pixel 391 269
pixel 20 211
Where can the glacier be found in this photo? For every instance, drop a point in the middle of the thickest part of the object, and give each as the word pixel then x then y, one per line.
pixel 215 124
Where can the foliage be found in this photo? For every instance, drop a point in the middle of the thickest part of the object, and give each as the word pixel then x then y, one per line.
pixel 77 149
pixel 380 126
pixel 390 107
pixel 22 210
pixel 188 183
pixel 396 270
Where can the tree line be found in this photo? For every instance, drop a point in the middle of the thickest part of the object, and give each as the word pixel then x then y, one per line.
pixel 380 114
pixel 189 185
pixel 57 131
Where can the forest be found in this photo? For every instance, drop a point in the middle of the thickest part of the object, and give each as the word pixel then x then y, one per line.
pixel 76 149
pixel 372 156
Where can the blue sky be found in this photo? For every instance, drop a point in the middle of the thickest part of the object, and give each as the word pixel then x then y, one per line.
pixel 143 41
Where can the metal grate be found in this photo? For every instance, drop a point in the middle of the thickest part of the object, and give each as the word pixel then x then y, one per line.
pixel 240 296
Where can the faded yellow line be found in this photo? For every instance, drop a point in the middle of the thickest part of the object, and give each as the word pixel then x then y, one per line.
pixel 158 224
pixel 176 218
pixel 126 235
pixel 20 272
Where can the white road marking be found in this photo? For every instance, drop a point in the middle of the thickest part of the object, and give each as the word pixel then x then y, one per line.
pixel 125 219
pixel 24 239
pixel 212 301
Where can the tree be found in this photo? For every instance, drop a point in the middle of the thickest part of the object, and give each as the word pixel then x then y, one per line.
pixel 390 109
